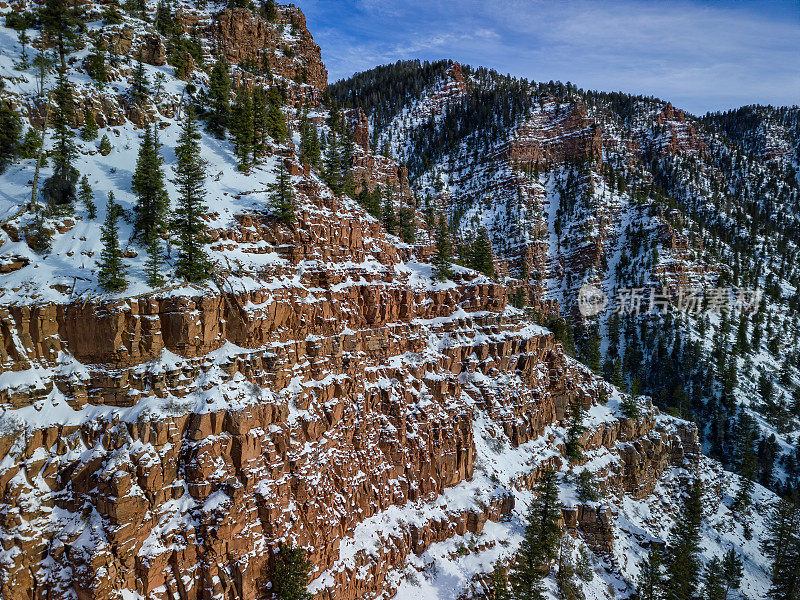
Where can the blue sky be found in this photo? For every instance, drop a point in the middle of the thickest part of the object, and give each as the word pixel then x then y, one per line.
pixel 700 55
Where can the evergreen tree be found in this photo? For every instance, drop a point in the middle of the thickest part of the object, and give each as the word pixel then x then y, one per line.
pixel 154 263
pixel 732 570
pixel 574 445
pixel 59 189
pixel 89 129
pixel 540 544
pixel 259 123
pixel 370 200
pixel 282 195
pixel 408 227
pixel 112 271
pixel 148 185
pixel 140 85
pixel 586 489
pixel 193 264
pixel 96 66
pixel 782 546
pixel 629 406
pixel 566 577
pixel 276 121
pixel 592 350
pixel 388 215
pixel 24 39
pixel 481 259
pixel 270 10
pixel 60 20
pixel 291 577
pixel 86 196
pixel 651 583
pixel 104 146
pixel 10 131
pixel 310 152
pixel 747 471
pixel 242 128
pixel 443 255
pixel 682 577
pixel 219 92
pixel 332 174
pixel 165 21
pixel 347 153
pixel 713 585
pixel 742 347
pixel 498 584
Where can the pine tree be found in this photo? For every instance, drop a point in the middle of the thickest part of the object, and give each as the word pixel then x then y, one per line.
pixel 742 347
pixel 443 256
pixel 713 586
pixel 282 195
pixel 291 577
pixel 370 200
pixel 270 10
pixel 629 405
pixel 592 351
pixel 407 224
pixel 112 271
pixel 97 66
pixel 219 92
pixel 782 546
pixel 59 189
pixel 148 185
pixel 732 570
pixel 569 587
pixel 347 154
pixel 154 263
pixel 540 544
pixel 574 444
pixel 242 128
pixel 651 583
pixel 388 216
pixel 104 146
pixel 89 129
pixel 682 577
pixel 276 121
pixel 747 472
pixel 332 174
pixel 165 21
pixel 140 84
pixel 59 19
pixel 586 489
pixel 498 584
pixel 193 264
pixel 86 196
pixel 481 259
pixel 259 123
pixel 10 131
pixel 310 152
pixel 24 39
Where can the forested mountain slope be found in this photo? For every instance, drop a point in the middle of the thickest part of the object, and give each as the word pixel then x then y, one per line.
pixel 264 338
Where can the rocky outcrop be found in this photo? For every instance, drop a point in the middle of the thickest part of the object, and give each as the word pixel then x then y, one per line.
pixel 244 36
pixel 557 135
pixel 677 134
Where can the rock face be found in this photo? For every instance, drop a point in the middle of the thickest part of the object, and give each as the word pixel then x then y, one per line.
pixel 168 444
pixel 244 36
pixel 263 417
pixel 563 135
pixel 327 421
